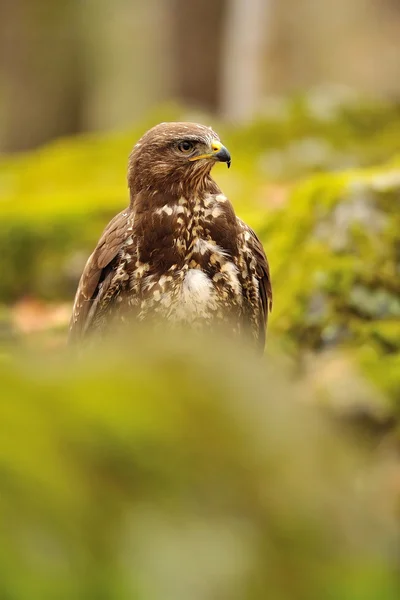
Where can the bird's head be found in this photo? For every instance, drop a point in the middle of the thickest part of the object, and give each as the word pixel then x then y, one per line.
pixel 175 158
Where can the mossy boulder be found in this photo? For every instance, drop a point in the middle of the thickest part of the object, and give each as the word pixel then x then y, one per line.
pixel 335 256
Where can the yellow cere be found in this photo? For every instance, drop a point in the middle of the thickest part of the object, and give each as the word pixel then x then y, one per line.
pixel 215 147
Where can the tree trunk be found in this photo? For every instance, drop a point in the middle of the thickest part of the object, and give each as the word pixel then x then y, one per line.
pixel 40 73
pixel 196 47
pixel 245 37
pixel 126 59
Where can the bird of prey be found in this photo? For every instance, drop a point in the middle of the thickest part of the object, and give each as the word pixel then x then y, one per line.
pixel 178 252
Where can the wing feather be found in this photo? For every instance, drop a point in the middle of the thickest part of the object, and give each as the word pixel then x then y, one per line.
pixel 98 275
pixel 255 249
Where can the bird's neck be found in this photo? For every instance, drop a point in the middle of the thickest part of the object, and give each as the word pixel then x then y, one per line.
pixel 159 195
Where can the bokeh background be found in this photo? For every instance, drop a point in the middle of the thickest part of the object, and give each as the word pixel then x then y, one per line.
pixel 165 469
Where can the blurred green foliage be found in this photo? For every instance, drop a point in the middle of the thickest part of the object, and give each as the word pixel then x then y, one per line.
pixel 169 469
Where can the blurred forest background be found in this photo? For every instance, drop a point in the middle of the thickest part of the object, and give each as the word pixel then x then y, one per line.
pixel 129 473
pixel 95 65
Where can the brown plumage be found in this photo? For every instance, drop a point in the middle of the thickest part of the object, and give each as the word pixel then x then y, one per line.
pixel 178 252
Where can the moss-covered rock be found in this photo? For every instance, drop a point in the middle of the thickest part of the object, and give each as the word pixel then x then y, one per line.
pixel 335 256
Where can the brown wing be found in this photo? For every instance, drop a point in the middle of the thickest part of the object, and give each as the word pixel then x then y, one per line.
pixel 261 270
pixel 99 275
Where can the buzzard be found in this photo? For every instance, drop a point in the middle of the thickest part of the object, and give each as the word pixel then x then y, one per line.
pixel 178 252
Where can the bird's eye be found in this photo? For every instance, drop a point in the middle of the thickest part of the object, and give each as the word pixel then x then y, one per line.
pixel 185 146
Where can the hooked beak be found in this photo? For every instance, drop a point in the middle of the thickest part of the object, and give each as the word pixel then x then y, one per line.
pixel 218 152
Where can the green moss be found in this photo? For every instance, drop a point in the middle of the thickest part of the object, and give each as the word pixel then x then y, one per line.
pixel 129 474
pixel 334 251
